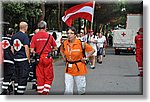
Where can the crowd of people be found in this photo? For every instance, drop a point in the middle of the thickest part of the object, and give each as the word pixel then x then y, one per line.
pixel 17 51
pixel 98 42
pixel 76 51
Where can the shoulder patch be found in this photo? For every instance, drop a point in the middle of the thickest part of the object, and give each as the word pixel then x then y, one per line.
pixel 17 44
pixel 5 44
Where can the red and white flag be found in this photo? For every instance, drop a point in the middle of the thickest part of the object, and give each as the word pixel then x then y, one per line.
pixel 85 11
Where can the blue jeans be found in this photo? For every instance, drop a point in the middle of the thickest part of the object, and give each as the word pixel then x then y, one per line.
pixel 100 51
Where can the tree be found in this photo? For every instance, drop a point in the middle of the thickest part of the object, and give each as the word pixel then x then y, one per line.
pixel 17 12
pixel 42 11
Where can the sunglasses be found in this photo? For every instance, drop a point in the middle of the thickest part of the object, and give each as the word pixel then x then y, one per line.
pixel 70 33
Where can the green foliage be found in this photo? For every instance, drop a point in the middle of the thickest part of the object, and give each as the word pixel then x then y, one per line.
pixel 16 12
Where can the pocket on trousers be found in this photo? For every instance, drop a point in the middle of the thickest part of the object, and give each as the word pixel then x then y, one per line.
pixel 47 61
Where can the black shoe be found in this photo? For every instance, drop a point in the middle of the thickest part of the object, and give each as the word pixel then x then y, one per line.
pixel 4 92
pixel 92 67
pixel 103 55
pixel 34 86
pixel 141 75
pixel 100 62
pixel 10 89
pixel 15 92
pixel 83 94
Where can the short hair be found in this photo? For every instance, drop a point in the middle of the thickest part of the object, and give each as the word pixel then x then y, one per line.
pixel 73 29
pixel 23 25
pixel 140 31
pixel 42 25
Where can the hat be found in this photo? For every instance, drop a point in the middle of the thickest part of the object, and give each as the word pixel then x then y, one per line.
pixel 141 31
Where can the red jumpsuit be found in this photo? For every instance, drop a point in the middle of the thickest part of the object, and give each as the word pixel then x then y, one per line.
pixel 44 69
pixel 139 52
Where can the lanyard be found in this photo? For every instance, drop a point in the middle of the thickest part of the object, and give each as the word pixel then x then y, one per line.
pixel 69 51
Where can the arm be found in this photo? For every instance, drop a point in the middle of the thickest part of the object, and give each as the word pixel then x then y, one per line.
pixel 27 51
pixel 32 45
pixel 32 50
pixel 89 50
pixel 12 49
pixel 26 44
pixel 90 53
pixel 55 48
pixel 53 43
pixel 62 54
pixel 105 42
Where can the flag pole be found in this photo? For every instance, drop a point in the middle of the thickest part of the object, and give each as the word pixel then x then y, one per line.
pixel 93 14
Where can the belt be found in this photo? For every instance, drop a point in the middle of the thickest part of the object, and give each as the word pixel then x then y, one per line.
pixel 74 62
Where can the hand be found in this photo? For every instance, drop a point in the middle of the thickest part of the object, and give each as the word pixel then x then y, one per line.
pixel 64 59
pixel 29 61
pixel 84 60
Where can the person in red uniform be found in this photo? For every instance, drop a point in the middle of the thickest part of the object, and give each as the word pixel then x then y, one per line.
pixel 44 69
pixel 139 50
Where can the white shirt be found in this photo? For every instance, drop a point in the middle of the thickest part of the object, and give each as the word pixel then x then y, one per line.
pixel 91 40
pixel 104 37
pixel 84 38
pixel 100 41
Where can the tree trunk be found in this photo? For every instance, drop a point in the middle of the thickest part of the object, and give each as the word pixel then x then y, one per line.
pixel 58 19
pixel 43 11
pixel 79 27
pixel 62 13
pixel 85 26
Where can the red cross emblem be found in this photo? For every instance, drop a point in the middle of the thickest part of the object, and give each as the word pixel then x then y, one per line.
pixel 5 44
pixel 123 34
pixel 17 44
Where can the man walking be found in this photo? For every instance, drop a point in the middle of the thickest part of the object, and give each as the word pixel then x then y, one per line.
pixel 8 63
pixel 20 48
pixel 43 42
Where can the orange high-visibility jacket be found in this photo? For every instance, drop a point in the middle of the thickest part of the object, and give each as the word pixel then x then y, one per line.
pixel 74 53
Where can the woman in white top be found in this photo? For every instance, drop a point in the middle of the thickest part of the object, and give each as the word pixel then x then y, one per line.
pixel 92 40
pixel 100 43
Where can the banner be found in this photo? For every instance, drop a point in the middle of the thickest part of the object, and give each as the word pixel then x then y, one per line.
pixel 85 11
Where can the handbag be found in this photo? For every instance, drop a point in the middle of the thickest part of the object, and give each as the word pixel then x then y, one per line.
pixel 37 56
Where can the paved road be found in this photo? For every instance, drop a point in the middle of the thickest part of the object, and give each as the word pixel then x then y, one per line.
pixel 116 75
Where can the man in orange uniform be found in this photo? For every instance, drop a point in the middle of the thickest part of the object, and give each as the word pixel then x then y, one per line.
pixel 44 69
pixel 139 50
pixel 72 54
